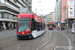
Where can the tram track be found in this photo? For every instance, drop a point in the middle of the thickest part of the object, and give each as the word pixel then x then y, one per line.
pixel 8 43
pixel 50 44
pixel 58 42
pixel 69 47
pixel 42 44
pixel 45 43
pixel 38 46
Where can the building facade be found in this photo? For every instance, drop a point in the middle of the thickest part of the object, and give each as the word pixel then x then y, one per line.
pixel 57 12
pixel 49 18
pixel 9 9
pixel 67 12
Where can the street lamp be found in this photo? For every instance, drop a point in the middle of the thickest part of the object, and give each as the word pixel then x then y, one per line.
pixel 67 19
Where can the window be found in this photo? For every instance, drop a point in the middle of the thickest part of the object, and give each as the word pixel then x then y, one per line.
pixel 71 2
pixel 5 15
pixel 71 8
pixel 23 24
pixel 0 14
pixel 71 13
pixel 33 25
pixel 10 16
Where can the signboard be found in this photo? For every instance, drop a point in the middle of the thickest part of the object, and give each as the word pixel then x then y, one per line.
pixel 60 22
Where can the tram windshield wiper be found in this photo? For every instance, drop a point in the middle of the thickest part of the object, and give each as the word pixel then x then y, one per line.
pixel 26 28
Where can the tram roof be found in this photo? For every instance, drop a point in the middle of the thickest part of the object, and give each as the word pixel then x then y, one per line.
pixel 30 15
pixel 50 23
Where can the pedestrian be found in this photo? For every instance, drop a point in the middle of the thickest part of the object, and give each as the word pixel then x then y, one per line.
pixel 58 28
pixel 10 26
pixel 0 28
pixel 61 27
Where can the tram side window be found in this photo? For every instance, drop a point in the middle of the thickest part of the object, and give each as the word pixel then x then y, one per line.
pixel 33 25
pixel 36 26
pixel 40 26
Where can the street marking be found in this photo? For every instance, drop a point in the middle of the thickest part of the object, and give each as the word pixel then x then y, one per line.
pixel 7 41
pixel 68 40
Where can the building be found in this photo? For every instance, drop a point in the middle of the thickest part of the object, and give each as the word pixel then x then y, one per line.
pixel 45 18
pixel 57 12
pixel 63 10
pixel 49 18
pixel 74 8
pixel 9 9
pixel 70 12
pixel 52 16
pixel 67 12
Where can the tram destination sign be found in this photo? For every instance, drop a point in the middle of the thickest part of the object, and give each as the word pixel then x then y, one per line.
pixel 24 19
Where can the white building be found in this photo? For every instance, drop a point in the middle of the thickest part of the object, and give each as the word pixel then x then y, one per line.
pixel 9 9
pixel 71 9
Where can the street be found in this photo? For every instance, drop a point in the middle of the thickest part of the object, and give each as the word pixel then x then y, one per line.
pixel 50 40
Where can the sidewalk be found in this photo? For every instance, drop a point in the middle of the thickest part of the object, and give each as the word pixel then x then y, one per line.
pixel 70 35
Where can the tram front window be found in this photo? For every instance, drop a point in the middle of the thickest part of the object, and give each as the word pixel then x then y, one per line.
pixel 50 25
pixel 23 24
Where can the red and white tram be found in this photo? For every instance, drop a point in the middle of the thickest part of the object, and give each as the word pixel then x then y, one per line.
pixel 50 25
pixel 29 26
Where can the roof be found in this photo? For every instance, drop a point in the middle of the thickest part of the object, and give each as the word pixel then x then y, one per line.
pixel 30 15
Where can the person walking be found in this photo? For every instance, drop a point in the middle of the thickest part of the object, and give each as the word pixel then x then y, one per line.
pixel 61 27
pixel 1 28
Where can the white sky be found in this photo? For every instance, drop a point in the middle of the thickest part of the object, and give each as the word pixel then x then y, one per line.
pixel 43 6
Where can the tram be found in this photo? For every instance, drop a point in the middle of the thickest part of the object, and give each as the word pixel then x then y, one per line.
pixel 29 26
pixel 50 25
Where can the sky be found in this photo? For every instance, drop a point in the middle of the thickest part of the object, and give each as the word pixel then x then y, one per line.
pixel 43 7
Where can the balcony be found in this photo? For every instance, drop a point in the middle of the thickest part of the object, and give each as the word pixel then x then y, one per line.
pixel 21 3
